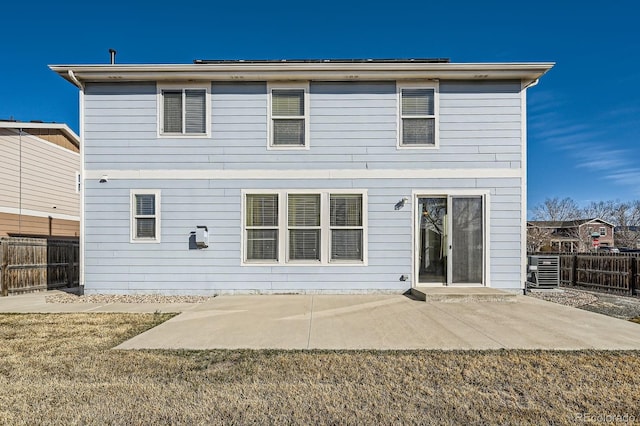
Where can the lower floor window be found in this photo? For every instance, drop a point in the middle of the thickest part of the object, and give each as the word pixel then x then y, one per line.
pixel 304 227
pixel 145 221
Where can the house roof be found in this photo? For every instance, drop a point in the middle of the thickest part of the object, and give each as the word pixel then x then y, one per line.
pixel 309 69
pixel 40 126
pixel 565 223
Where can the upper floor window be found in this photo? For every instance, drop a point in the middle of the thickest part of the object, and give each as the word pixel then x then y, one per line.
pixel 288 116
pixel 184 111
pixel 603 231
pixel 418 121
pixel 145 216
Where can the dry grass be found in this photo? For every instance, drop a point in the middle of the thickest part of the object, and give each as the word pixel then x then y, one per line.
pixel 58 369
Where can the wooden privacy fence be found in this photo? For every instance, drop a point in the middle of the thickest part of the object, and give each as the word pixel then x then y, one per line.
pixel 614 273
pixel 34 264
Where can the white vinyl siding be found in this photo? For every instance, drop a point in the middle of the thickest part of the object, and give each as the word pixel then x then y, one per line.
pixel 184 111
pixel 288 116
pixel 418 116
pixel 312 227
pixel 145 216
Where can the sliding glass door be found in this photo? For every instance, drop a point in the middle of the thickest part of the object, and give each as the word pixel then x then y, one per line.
pixel 466 240
pixel 450 240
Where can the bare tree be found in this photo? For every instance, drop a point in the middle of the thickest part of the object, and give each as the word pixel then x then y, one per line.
pixel 627 218
pixel 604 210
pixel 537 238
pixel 557 209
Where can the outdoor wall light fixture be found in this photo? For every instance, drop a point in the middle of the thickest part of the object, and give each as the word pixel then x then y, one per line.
pixel 104 179
pixel 400 204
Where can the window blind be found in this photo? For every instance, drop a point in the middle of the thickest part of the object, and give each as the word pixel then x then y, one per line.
pixel 418 102
pixel 262 244
pixel 262 210
pixel 304 244
pixel 195 114
pixel 262 216
pixel 304 212
pixel 346 244
pixel 145 204
pixel 145 227
pixel 346 226
pixel 346 210
pixel 288 132
pixel 418 131
pixel 287 103
pixel 172 111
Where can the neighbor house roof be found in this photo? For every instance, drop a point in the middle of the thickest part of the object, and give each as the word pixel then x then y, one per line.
pixel 40 129
pixel 311 69
pixel 565 223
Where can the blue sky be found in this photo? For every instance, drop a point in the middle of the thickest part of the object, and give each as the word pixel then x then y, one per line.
pixel 584 116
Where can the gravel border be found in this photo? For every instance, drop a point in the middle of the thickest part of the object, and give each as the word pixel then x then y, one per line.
pixel 623 307
pixel 117 298
pixel 567 297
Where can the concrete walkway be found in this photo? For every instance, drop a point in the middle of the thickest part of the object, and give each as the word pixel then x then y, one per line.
pixel 362 322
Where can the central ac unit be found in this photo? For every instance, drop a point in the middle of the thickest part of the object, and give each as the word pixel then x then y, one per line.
pixel 543 271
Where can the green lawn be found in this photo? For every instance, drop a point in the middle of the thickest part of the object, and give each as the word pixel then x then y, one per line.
pixel 59 369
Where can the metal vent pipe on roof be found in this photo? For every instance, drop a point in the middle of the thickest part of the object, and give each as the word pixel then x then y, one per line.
pixel 112 53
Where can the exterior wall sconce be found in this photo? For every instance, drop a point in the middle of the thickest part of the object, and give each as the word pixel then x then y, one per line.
pixel 400 204
pixel 104 179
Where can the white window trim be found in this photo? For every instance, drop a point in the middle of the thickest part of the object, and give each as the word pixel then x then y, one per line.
pixel 603 229
pixel 435 85
pixel 325 228
pixel 185 86
pixel 288 86
pixel 132 220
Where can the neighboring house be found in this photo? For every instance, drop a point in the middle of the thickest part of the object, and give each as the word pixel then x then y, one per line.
pixel 40 176
pixel 580 235
pixel 309 176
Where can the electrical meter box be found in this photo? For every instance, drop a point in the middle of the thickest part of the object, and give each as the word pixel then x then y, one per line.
pixel 202 237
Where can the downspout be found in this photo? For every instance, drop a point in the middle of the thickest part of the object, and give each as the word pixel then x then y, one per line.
pixel 74 80
pixel 20 182
pixel 530 84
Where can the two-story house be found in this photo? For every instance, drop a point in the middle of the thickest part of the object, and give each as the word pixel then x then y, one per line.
pixel 39 180
pixel 335 176
pixel 580 235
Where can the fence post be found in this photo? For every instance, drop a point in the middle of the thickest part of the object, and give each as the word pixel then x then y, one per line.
pixel 4 263
pixel 69 255
pixel 634 275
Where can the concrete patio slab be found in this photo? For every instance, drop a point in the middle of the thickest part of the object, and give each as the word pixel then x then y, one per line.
pixel 360 322
pixel 385 322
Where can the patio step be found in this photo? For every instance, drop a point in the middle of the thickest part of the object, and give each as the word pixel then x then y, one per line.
pixel 462 294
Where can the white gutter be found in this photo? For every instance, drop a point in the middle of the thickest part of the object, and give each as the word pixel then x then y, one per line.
pixel 303 71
